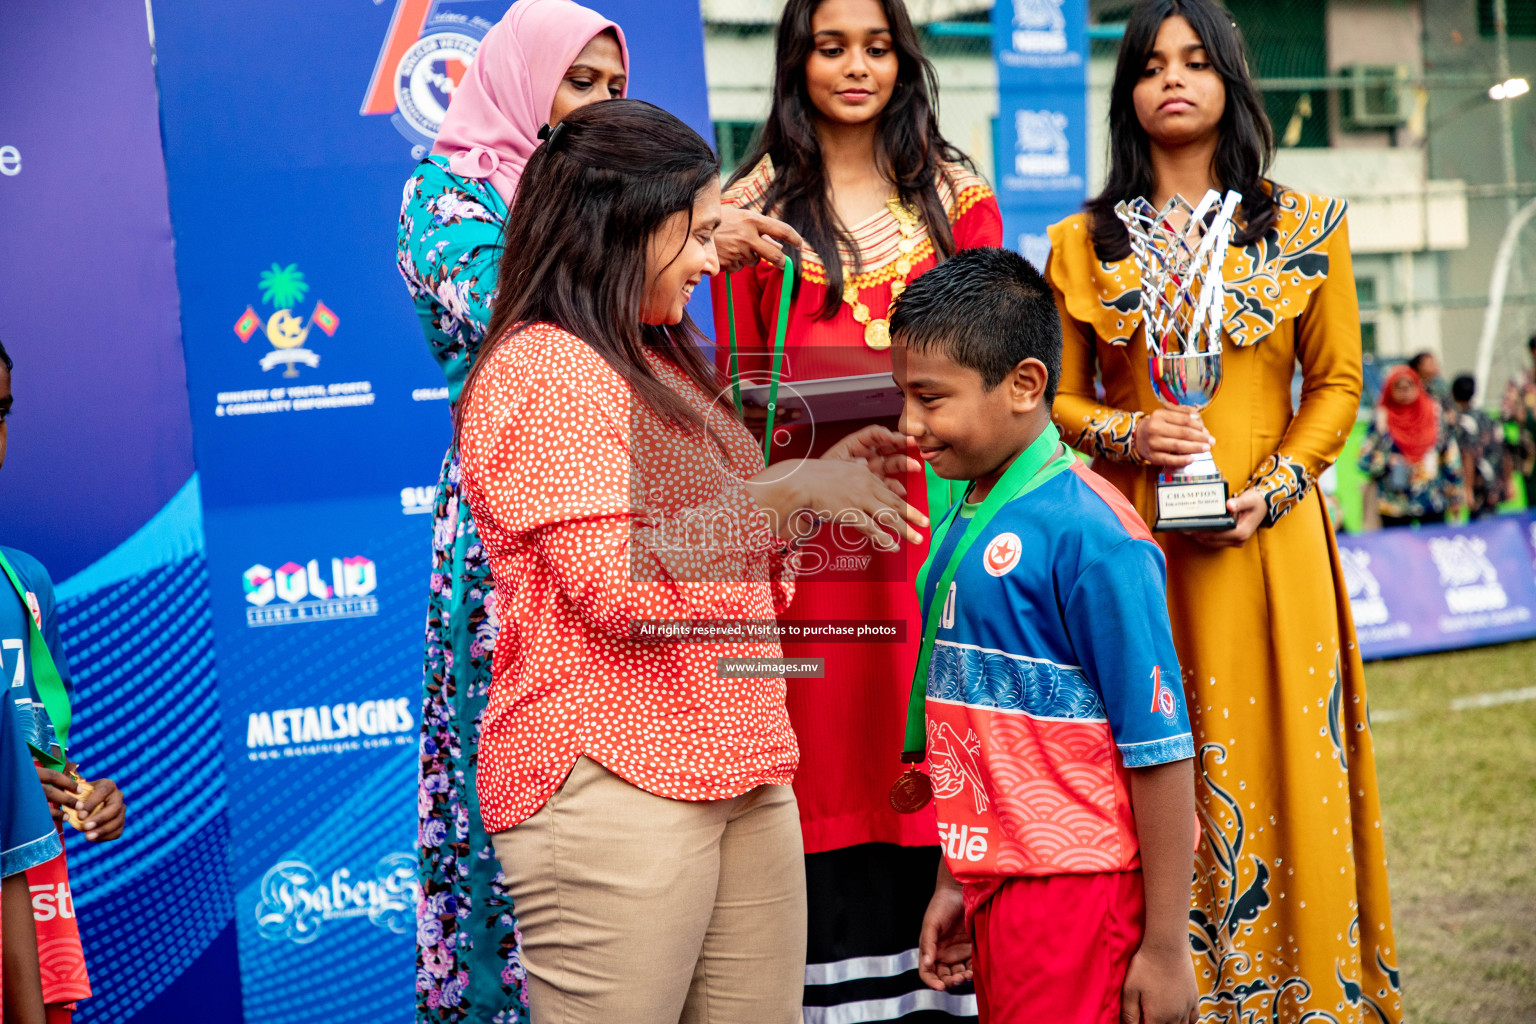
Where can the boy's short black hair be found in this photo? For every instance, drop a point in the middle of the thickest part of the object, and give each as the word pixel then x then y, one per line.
pixel 1418 360
pixel 5 358
pixel 1463 388
pixel 986 309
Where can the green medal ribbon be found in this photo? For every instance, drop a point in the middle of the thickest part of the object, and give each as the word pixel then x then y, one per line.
pixel 50 686
pixel 786 293
pixel 1014 482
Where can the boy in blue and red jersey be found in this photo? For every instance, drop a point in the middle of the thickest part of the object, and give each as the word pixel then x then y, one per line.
pixel 1057 741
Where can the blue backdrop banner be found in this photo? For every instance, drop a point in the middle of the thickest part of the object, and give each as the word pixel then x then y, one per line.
pixel 98 484
pixel 320 423
pixel 1438 588
pixel 1041 51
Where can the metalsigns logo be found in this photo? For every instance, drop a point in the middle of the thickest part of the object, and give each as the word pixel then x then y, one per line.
pixel 329 729
pixel 283 289
pixel 1039 26
pixel 295 903
pixel 427 51
pixel 299 593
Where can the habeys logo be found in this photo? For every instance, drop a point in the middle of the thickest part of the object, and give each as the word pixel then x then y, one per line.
pixel 1002 554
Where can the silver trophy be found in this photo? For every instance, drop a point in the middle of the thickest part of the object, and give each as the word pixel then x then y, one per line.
pixel 1179 252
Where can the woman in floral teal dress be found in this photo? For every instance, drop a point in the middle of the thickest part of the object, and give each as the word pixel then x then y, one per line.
pixel 544 59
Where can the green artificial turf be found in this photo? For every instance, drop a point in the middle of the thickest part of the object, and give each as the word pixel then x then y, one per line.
pixel 1458 792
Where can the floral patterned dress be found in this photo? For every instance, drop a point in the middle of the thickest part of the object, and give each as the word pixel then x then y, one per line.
pixel 1426 489
pixel 467 963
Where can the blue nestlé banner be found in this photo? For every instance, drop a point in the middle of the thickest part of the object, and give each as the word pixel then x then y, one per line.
pixel 1041 51
pixel 320 424
pixel 1440 588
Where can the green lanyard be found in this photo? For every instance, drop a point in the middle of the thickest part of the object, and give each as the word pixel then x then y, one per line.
pixel 50 686
pixel 786 291
pixel 1014 482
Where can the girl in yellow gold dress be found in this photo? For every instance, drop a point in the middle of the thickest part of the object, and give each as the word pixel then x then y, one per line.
pixel 1290 919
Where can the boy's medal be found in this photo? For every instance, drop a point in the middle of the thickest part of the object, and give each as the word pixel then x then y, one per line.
pixel 911 792
pixel 909 795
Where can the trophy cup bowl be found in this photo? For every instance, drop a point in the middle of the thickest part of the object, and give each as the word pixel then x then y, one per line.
pixel 1194 496
pixel 1179 251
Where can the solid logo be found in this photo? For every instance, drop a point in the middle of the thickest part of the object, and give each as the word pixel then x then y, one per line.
pixel 1163 700
pixel 1039 27
pixel 283 288
pixel 427 51
pixel 296 903
pixel 301 593
pixel 1002 554
pixel 1042 148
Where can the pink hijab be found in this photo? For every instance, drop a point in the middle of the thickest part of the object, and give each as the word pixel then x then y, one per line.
pixel 492 125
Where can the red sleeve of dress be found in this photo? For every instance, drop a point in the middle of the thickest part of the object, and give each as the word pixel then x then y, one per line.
pixel 981 225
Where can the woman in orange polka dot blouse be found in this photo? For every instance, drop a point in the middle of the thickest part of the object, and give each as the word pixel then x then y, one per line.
pixel 636 780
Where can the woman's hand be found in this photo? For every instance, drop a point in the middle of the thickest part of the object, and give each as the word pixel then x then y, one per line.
pixel 746 236
pixel 1171 437
pixel 841 491
pixel 885 452
pixel 1250 510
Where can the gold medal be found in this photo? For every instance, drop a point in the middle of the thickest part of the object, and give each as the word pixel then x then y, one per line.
pixel 877 334
pixel 911 792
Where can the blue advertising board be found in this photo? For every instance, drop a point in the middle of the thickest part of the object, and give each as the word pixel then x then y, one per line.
pixel 98 484
pixel 1439 588
pixel 320 424
pixel 1041 51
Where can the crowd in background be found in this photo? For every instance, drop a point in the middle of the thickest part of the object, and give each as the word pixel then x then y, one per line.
pixel 1432 455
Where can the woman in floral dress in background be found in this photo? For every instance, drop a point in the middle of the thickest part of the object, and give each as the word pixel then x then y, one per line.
pixel 543 60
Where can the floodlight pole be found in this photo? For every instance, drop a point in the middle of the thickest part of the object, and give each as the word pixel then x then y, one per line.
pixel 1496 285
pixel 1506 116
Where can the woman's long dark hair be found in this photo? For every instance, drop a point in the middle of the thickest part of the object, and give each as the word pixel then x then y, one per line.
pixel 576 240
pixel 909 147
pixel 1243 152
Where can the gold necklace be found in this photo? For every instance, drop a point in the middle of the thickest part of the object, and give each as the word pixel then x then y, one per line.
pixel 877 330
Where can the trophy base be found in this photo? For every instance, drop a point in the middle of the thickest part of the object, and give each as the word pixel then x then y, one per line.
pixel 1198 504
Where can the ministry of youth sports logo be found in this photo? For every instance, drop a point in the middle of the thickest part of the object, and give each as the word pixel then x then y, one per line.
pixel 284 288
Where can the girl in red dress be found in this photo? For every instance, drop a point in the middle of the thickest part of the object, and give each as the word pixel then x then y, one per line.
pixel 851 156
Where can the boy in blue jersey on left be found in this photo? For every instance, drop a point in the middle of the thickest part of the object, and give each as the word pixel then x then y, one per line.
pixel 1054 726
pixel 35 680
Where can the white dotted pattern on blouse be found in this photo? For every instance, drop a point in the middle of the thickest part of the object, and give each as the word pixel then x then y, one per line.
pixel 590 508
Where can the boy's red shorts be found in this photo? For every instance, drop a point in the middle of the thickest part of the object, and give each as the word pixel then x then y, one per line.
pixel 1056 948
